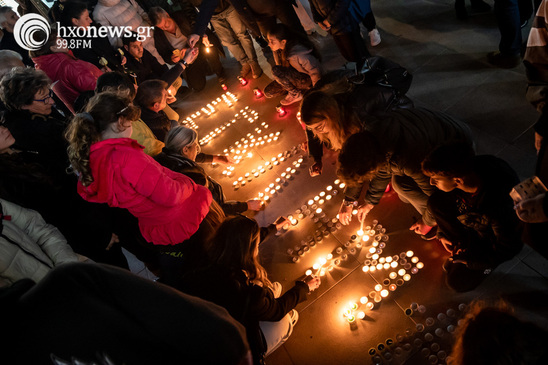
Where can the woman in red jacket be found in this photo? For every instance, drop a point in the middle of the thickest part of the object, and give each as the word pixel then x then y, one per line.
pixel 70 76
pixel 113 169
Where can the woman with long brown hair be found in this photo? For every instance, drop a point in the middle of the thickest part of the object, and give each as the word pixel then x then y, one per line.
pixel 237 281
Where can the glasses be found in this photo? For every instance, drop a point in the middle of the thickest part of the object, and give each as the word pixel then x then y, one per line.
pixel 44 100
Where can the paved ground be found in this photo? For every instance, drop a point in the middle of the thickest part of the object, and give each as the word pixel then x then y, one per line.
pixel 451 74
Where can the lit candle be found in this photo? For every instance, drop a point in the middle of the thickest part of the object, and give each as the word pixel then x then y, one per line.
pixel 384 293
pixel 308 272
pixel 420 265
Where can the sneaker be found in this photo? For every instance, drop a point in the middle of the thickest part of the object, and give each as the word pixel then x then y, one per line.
pixel 375 37
pixel 256 69
pixel 246 69
pixel 276 289
pixel 294 315
pixel 503 60
pixel 291 99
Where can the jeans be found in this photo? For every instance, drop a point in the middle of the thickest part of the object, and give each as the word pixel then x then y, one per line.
pixel 287 80
pixel 233 34
pixel 507 15
pixel 410 192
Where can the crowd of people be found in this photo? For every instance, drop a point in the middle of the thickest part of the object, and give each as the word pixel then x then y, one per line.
pixel 94 159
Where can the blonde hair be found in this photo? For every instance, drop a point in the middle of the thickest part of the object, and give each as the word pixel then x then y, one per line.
pixel 102 110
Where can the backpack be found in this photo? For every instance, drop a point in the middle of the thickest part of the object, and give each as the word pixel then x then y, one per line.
pixel 383 72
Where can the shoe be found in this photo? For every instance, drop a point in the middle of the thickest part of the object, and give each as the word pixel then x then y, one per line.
pixel 276 289
pixel 294 315
pixel 480 6
pixel 221 77
pixel 503 60
pixel 291 99
pixel 256 69
pixel 375 37
pixel 432 234
pixel 246 69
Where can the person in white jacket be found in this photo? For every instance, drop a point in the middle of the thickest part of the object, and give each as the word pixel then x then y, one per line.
pixel 29 247
pixel 127 14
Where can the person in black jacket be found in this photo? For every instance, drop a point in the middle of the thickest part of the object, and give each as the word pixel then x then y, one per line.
pixel 101 314
pixel 474 211
pixel 171 38
pixel 8 18
pixel 236 281
pixel 390 149
pixel 338 107
pixel 75 15
pixel 146 67
pixel 181 154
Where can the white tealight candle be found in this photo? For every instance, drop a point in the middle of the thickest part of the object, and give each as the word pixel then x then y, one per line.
pixel 365 268
pixel 364 300
pixel 384 293
pixel 409 253
pixel 420 265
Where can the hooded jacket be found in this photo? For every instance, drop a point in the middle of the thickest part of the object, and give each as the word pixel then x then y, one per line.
pixel 70 76
pixel 168 205
pixel 29 247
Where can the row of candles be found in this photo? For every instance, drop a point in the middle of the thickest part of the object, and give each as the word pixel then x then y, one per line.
pixel 242 152
pixel 283 179
pixel 268 165
pixel 249 115
pixel 389 284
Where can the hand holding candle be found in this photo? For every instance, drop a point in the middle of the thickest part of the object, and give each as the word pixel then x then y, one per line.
pixel 313 282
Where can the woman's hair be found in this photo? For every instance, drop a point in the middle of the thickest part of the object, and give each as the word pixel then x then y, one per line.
pixel 361 156
pixel 117 82
pixel 234 246
pixel 71 10
pixel 46 47
pixel 282 32
pixel 179 137
pixel 327 104
pixel 491 334
pixel 19 87
pixel 85 128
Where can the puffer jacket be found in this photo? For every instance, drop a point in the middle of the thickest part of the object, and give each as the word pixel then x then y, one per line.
pixel 29 247
pixel 70 75
pixel 168 205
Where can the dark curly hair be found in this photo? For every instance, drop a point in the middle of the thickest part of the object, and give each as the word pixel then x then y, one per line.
pixel 362 156
pixel 85 129
pixel 19 87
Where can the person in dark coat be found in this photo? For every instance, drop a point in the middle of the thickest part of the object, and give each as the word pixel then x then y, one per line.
pixel 101 314
pixel 31 117
pixel 236 281
pixel 390 149
pixel 75 14
pixel 146 67
pixel 182 154
pixel 345 106
pixel 335 17
pixel 171 37
pixel 8 18
pixel 474 212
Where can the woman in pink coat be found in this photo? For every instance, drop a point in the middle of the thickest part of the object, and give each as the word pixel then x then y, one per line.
pixel 69 75
pixel 113 169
